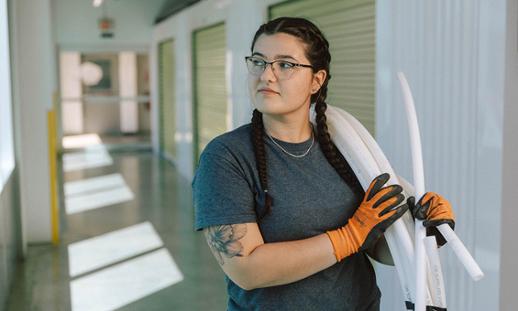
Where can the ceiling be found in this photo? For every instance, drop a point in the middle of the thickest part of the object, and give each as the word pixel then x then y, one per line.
pixel 170 7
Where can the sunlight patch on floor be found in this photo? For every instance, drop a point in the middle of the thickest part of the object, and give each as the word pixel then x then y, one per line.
pixel 81 141
pixel 125 283
pixel 96 192
pixel 96 156
pixel 103 250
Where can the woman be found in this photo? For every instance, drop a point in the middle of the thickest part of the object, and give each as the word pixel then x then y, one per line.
pixel 282 211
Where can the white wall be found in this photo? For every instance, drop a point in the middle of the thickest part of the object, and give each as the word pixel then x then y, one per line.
pixel 6 133
pixel 453 55
pixel 509 246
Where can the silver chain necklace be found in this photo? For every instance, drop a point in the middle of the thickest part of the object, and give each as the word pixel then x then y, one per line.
pixel 291 154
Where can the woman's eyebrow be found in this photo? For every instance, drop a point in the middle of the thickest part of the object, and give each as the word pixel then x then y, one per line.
pixel 276 56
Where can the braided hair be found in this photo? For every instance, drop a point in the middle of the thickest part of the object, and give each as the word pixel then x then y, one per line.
pixel 317 52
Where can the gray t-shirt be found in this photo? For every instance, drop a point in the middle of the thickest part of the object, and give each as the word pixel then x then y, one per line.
pixel 309 198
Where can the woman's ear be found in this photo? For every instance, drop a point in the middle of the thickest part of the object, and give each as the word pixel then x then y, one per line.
pixel 318 80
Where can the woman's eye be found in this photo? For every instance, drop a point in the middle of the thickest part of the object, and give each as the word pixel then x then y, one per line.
pixel 258 63
pixel 285 65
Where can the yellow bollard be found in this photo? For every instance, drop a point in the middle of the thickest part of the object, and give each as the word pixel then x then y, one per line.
pixel 54 216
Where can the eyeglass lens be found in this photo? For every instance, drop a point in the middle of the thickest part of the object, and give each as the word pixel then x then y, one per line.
pixel 281 69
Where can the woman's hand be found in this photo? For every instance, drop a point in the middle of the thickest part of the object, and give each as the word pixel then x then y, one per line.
pixel 434 210
pixel 374 215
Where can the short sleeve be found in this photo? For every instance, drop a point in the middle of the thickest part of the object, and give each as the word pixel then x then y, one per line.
pixel 221 193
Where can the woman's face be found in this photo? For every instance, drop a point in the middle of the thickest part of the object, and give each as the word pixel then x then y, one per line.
pixel 289 95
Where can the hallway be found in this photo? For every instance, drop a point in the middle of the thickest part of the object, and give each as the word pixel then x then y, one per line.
pixel 107 105
pixel 57 278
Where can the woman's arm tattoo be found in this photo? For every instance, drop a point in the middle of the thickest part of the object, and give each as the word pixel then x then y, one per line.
pixel 224 240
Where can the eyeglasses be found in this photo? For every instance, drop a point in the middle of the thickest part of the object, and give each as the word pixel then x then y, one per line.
pixel 282 69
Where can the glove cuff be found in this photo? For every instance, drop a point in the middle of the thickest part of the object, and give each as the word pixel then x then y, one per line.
pixel 343 242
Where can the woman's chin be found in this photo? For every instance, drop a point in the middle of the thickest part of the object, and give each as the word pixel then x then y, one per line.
pixel 268 108
pixel 277 108
pixel 266 104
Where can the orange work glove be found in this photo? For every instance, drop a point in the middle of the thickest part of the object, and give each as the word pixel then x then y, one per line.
pixel 434 210
pixel 375 214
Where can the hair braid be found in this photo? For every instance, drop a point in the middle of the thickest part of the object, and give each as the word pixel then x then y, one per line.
pixel 332 154
pixel 260 156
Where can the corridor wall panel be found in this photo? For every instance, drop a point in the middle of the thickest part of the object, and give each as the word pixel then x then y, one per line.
pixel 210 96
pixel 9 234
pixel 166 99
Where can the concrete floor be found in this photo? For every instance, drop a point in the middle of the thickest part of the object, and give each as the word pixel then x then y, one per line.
pixel 162 198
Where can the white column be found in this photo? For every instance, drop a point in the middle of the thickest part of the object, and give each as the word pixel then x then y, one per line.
pixel 71 92
pixel 128 92
pixel 33 85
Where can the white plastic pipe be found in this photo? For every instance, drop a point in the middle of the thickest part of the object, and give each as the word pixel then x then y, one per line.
pixel 407 219
pixel 462 253
pixel 418 173
pixel 458 247
pixel 398 237
pixel 366 168
pixel 436 279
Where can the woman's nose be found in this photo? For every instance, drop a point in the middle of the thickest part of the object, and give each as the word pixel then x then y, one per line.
pixel 268 74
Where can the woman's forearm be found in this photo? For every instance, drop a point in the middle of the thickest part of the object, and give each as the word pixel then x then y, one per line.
pixel 272 264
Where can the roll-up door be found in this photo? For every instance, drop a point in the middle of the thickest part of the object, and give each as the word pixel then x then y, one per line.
pixel 167 105
pixel 210 96
pixel 350 28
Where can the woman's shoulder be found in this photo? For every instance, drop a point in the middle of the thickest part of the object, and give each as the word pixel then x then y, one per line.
pixel 234 141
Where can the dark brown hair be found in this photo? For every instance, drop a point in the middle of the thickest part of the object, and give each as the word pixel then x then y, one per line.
pixel 317 52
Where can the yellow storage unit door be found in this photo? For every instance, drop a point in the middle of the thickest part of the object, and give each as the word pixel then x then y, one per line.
pixel 210 96
pixel 350 28
pixel 167 105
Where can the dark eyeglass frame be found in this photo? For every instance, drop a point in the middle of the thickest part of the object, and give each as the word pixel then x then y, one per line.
pixel 266 63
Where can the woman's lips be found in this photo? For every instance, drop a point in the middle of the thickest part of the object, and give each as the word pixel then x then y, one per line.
pixel 267 92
